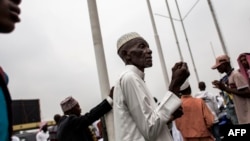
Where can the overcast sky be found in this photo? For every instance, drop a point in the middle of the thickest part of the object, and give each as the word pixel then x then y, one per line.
pixel 50 55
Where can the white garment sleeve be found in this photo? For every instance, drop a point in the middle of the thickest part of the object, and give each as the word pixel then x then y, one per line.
pixel 148 118
pixel 110 101
pixel 177 136
pixel 168 105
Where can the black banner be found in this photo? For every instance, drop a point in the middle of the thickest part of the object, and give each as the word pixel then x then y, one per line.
pixel 26 111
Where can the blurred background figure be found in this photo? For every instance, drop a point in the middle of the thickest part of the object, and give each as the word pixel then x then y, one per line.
pixel 234 84
pixel 211 101
pixel 14 138
pixel 43 134
pixel 53 129
pixel 196 122
pixel 222 64
pixel 98 129
pixel 244 64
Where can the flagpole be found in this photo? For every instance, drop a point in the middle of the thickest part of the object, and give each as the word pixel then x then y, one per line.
pixel 189 49
pixel 211 45
pixel 158 44
pixel 101 65
pixel 217 27
pixel 175 35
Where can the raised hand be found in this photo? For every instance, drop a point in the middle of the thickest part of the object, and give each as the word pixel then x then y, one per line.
pixel 219 85
pixel 180 73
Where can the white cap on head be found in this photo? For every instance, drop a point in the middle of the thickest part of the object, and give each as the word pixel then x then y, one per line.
pixel 68 103
pixel 125 38
pixel 184 85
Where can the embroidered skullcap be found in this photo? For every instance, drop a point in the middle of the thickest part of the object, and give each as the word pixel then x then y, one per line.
pixel 68 103
pixel 125 38
pixel 184 85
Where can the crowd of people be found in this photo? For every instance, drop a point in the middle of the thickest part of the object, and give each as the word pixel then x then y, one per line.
pixel 137 116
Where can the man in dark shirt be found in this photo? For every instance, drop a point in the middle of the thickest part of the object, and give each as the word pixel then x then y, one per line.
pixel 75 127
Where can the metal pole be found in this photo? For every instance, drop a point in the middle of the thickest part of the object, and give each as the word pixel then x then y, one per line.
pixel 101 64
pixel 166 17
pixel 213 50
pixel 214 55
pixel 172 23
pixel 158 44
pixel 217 27
pixel 189 49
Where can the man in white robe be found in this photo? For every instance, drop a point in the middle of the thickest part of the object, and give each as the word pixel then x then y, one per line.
pixel 136 115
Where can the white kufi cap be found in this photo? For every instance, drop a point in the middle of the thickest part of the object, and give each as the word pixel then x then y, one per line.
pixel 125 38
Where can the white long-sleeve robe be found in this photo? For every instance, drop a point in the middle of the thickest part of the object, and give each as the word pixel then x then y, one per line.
pixel 136 115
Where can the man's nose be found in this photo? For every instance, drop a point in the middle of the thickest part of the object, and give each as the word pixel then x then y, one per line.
pixel 149 51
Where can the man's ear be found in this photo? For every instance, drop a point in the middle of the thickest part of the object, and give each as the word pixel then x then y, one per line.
pixel 125 56
pixel 127 59
pixel 123 53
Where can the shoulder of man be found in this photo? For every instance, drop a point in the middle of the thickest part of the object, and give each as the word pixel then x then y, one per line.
pixel 128 76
